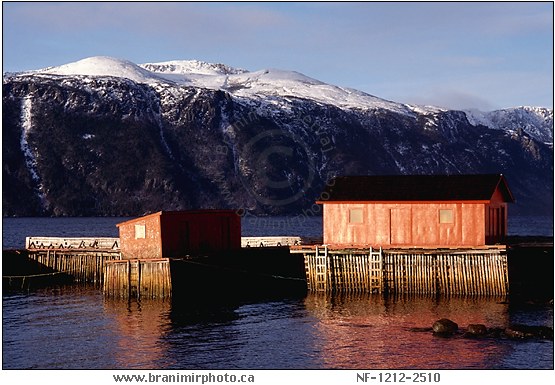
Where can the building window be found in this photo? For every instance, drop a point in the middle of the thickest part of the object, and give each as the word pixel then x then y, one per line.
pixel 446 216
pixel 140 231
pixel 355 216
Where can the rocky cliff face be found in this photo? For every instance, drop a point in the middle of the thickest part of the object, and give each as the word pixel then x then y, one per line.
pixel 83 145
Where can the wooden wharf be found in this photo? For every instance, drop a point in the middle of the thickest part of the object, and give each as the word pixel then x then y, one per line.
pixel 82 259
pixel 419 270
pixel 481 271
pixel 99 261
pixel 83 266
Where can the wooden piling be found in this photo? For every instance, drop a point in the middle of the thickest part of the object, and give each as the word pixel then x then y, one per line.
pixel 84 266
pixel 476 271
pixel 140 278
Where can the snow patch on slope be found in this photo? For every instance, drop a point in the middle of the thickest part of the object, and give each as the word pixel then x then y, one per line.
pixel 30 159
pixel 26 125
pixel 187 67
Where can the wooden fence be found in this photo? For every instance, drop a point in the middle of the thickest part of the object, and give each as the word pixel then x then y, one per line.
pixel 140 278
pixel 481 271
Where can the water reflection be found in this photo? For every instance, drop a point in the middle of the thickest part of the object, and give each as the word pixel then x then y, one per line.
pixel 77 328
pixel 365 331
pixel 139 327
pixel 248 335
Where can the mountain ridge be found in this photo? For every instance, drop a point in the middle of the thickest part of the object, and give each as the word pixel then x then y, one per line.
pixel 217 76
pixel 78 144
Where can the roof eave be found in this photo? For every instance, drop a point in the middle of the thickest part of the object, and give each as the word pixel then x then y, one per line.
pixel 505 189
pixel 480 201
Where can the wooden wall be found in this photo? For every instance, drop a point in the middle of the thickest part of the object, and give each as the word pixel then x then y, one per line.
pixel 179 233
pixel 199 232
pixel 141 278
pixel 133 245
pixel 405 224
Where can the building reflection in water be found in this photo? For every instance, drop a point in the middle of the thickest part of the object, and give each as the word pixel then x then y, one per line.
pixel 373 332
pixel 139 329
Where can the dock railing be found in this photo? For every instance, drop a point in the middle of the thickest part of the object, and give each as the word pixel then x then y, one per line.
pixel 97 243
pixel 82 258
pixel 279 241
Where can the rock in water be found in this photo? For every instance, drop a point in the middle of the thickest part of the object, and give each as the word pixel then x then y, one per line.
pixel 475 330
pixel 527 331
pixel 444 326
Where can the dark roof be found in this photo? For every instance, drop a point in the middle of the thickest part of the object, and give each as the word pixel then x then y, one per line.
pixel 415 188
pixel 180 213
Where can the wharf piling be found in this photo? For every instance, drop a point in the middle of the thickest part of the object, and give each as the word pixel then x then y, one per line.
pixel 140 278
pixel 99 261
pixel 466 271
pixel 84 266
pixel 80 260
pixel 263 266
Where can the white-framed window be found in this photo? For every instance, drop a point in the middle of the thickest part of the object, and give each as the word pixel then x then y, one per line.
pixel 355 216
pixel 140 231
pixel 446 216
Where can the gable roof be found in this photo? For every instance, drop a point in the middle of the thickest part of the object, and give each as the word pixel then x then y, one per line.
pixel 415 188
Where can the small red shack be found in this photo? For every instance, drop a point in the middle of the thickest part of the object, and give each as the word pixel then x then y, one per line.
pixel 178 233
pixel 416 210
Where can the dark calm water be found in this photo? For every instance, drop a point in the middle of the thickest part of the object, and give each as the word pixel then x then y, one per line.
pixel 75 327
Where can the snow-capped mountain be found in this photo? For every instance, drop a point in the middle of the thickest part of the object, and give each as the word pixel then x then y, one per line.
pixel 536 121
pixel 268 83
pixel 105 136
pixel 238 82
pixel 102 66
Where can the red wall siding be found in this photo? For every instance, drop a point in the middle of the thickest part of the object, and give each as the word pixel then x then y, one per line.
pixel 473 221
pixel 200 232
pixel 178 233
pixel 405 224
pixel 148 247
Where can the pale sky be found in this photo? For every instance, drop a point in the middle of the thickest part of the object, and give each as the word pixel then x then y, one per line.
pixel 454 54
